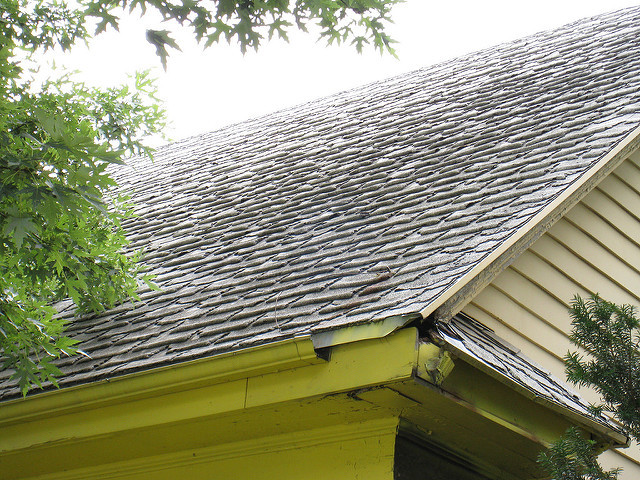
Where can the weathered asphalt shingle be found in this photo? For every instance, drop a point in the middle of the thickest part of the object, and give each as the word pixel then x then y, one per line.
pixel 467 337
pixel 365 204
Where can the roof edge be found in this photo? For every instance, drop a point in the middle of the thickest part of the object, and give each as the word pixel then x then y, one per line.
pixel 461 292
pixel 614 437
pixel 215 369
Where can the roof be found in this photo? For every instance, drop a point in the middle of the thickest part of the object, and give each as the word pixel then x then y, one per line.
pixel 479 345
pixel 363 205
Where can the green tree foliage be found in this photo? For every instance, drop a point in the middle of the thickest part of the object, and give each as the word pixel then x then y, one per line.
pixel 60 235
pixel 611 336
pixel 249 22
pixel 575 457
pixel 60 232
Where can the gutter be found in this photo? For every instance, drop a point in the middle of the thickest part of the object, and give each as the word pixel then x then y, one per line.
pixel 221 368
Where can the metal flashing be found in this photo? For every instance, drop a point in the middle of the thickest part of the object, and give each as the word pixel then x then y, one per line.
pixel 365 331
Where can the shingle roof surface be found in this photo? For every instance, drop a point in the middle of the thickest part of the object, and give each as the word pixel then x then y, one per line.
pixel 362 205
pixel 464 335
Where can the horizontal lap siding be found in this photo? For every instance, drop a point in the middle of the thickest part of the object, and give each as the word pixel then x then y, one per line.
pixel 595 248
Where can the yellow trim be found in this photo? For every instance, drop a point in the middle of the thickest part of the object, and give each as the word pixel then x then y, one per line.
pixel 616 438
pixel 159 381
pixel 262 417
pixel 146 400
pixel 256 447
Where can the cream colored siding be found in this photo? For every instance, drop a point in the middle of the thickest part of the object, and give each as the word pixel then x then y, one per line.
pixel 525 322
pixel 595 248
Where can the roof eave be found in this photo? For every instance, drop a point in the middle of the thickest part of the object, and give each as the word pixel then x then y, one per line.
pixel 611 436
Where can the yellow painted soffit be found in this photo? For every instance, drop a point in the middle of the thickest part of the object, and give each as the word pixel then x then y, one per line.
pixel 613 436
pixel 454 299
pixel 260 360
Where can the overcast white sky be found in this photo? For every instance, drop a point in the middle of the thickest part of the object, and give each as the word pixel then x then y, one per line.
pixel 210 89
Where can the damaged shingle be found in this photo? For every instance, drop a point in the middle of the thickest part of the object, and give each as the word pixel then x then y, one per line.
pixel 467 337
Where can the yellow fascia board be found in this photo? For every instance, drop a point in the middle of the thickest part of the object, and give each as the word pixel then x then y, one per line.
pixel 234 384
pixel 615 438
pixel 354 365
